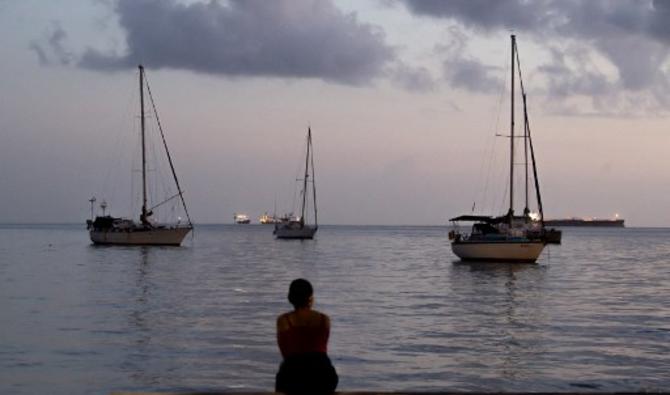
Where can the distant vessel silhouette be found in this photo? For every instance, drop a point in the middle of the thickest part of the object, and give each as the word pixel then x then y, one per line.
pixel 597 222
pixel 242 219
pixel 267 219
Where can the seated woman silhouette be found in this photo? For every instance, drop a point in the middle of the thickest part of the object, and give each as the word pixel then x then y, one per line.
pixel 302 336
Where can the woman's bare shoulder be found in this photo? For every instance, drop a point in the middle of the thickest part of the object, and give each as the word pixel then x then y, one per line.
pixel 283 321
pixel 322 317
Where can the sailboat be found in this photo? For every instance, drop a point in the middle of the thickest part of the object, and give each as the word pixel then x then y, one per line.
pixel 295 226
pixel 110 230
pixel 509 237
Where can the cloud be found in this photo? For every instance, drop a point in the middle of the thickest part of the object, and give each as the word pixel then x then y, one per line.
pixel 42 56
pixel 279 38
pixel 564 81
pixel 51 48
pixel 659 26
pixel 633 36
pixel 571 76
pixel 484 14
pixel 575 18
pixel 471 75
pixel 464 71
pixel 413 79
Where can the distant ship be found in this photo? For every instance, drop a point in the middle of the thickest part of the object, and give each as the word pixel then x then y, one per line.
pixel 242 219
pixel 266 219
pixel 610 223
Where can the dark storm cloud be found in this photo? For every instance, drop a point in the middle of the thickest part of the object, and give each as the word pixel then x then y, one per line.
pixel 282 38
pixel 659 26
pixel 577 18
pixel 484 14
pixel 633 35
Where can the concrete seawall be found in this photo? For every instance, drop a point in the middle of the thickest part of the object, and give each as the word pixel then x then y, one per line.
pixel 393 393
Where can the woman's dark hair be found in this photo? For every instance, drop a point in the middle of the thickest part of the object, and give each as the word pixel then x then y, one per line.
pixel 299 292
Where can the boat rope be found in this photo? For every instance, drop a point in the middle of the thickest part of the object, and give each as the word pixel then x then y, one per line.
pixel 295 186
pixel 316 223
pixel 167 151
pixel 530 143
pixel 306 178
pixel 492 155
pixel 164 201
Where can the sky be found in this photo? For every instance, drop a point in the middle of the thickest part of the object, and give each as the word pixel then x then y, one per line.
pixel 408 102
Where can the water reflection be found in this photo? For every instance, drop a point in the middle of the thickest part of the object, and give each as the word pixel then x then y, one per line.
pixel 138 358
pixel 139 310
pixel 511 294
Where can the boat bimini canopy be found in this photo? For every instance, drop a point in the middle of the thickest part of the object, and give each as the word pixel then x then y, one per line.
pixel 476 218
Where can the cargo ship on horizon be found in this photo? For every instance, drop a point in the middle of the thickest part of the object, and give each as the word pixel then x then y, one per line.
pixel 597 222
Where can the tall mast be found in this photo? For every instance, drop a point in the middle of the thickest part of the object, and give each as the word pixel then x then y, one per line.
pixel 143 217
pixel 511 140
pixel 304 180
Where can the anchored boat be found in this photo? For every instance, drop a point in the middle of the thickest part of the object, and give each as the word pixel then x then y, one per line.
pixel 107 229
pixel 508 237
pixel 296 226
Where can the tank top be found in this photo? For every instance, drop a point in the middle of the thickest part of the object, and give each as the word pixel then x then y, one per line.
pixel 301 333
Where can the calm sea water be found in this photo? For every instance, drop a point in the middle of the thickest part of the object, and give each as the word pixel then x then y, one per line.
pixel 592 315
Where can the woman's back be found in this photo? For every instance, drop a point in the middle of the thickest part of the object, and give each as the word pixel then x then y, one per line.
pixel 302 337
pixel 303 331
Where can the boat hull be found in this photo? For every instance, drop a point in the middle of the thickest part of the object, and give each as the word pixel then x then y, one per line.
pixel 607 223
pixel 306 232
pixel 154 236
pixel 500 251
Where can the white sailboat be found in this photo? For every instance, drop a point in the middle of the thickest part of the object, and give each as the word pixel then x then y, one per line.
pixel 110 230
pixel 295 227
pixel 509 237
